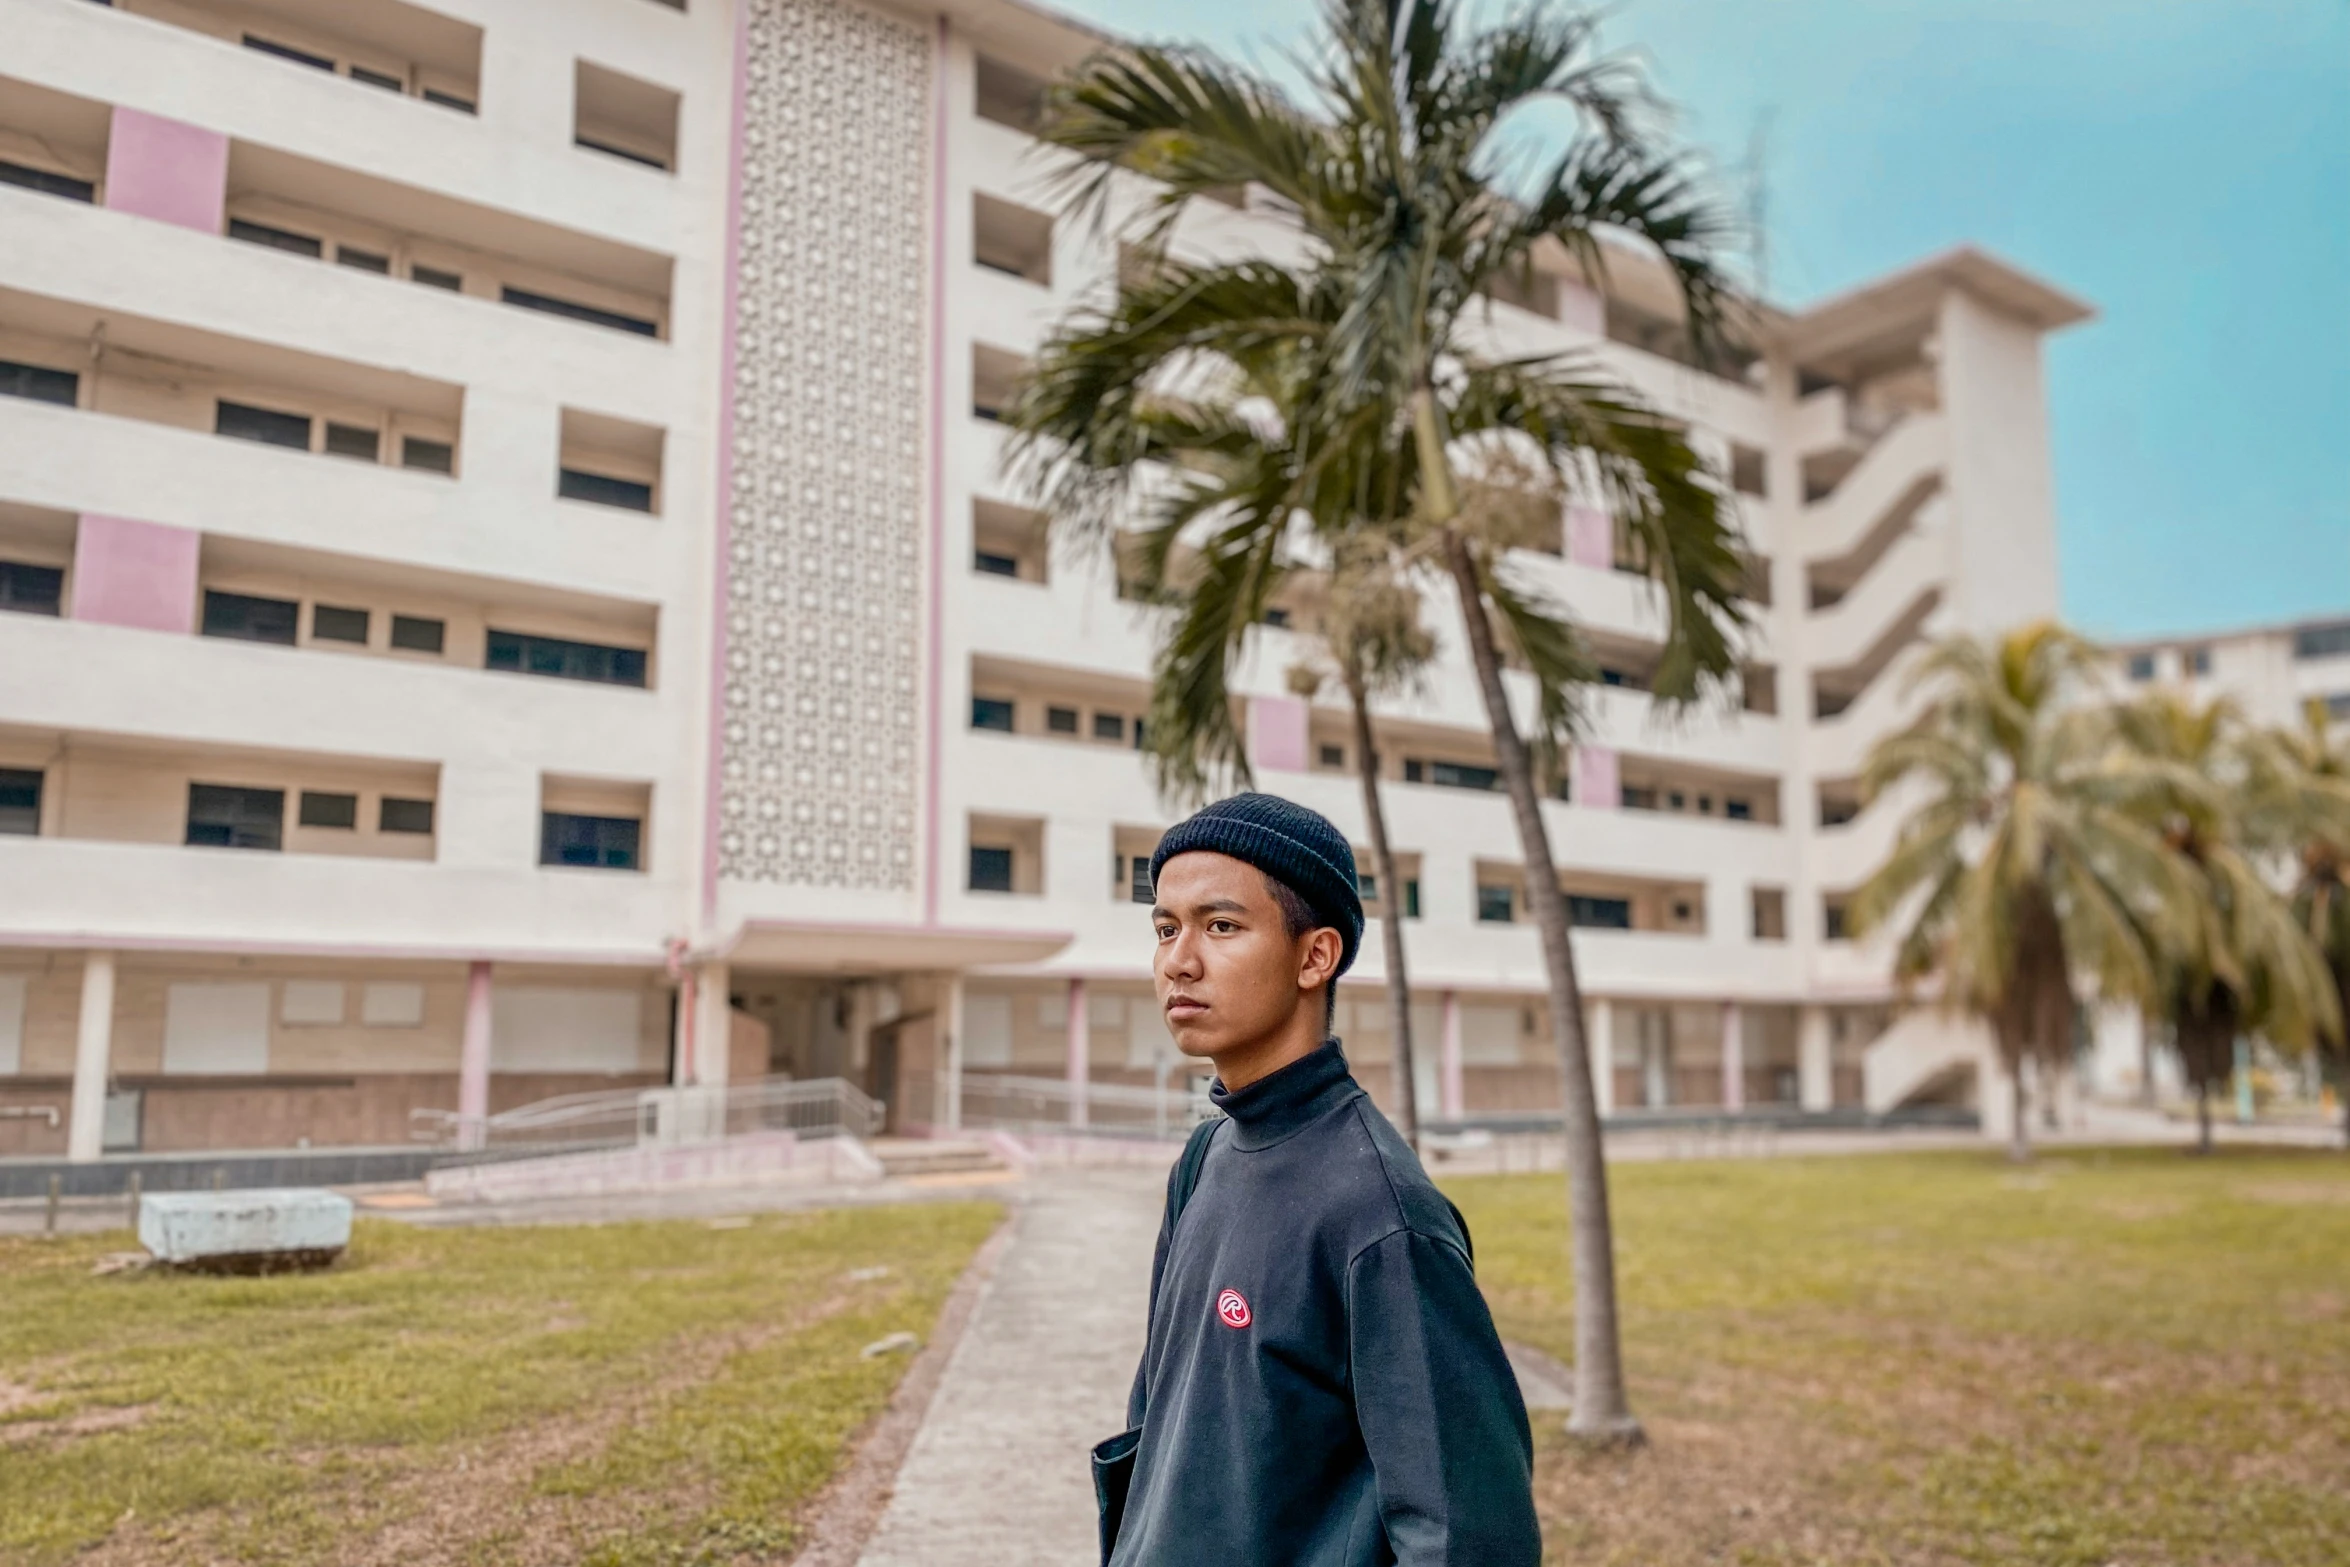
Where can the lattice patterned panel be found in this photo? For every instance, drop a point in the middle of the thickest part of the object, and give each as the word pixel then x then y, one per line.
pixel 823 616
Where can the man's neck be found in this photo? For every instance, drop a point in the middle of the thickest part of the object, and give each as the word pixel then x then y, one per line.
pixel 1261 1058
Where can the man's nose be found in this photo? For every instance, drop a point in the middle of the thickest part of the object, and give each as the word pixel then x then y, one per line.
pixel 1179 959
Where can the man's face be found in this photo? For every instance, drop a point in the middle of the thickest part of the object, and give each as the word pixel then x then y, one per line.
pixel 1226 968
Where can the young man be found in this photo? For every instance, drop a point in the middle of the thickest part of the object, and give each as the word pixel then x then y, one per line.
pixel 1322 1386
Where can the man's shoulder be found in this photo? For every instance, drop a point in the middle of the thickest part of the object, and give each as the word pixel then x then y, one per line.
pixel 1388 1189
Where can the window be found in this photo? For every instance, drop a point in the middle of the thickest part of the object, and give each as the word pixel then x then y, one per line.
pixel 1138 886
pixel 223 817
pixel 447 100
pixel 434 277
pixel 991 868
pixel 579 485
pixel 1455 775
pixel 266 425
pixel 414 816
pixel 1411 898
pixel 624 116
pixel 431 456
pixel 247 618
pixel 353 440
pixel 1109 726
pixel 31 590
pixel 2308 642
pixel 316 62
pixel 1414 771
pixel 578 312
pixel 20 802
pixel 2141 666
pixel 1277 617
pixel 1333 756
pixel 1633 797
pixel 330 623
pixel 646 159
pixel 1833 922
pixel 2197 660
pixel 360 73
pixel 39 383
pixel 988 712
pixel 1493 904
pixel 418 633
pixel 1599 913
pixel 1738 809
pixel 276 239
pixel 601 842
pixel 988 564
pixel 328 810
pixel 1060 720
pixel 363 260
pixel 46 183
pixel 518 653
pixel 1367 886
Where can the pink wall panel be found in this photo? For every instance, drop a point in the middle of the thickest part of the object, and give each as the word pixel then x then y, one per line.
pixel 1277 734
pixel 1598 782
pixel 163 169
pixel 1591 537
pixel 1582 308
pixel 128 573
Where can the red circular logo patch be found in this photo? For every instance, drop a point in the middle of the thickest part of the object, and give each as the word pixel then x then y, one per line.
pixel 1233 1309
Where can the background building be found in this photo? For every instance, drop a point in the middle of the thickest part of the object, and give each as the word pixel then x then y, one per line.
pixel 503 508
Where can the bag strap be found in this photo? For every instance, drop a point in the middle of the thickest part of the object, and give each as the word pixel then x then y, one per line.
pixel 1195 1156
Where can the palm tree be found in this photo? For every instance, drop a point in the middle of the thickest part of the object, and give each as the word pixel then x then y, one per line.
pixel 1393 177
pixel 2022 861
pixel 2301 783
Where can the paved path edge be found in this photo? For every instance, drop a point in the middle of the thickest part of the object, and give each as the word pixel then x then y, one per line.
pixel 849 1508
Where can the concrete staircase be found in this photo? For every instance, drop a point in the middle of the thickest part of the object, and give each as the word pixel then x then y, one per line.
pixel 907 1157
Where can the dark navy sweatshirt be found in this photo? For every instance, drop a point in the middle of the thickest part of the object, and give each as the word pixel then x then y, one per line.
pixel 1322 1386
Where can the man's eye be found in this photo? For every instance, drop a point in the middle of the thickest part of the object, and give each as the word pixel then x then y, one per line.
pixel 1221 926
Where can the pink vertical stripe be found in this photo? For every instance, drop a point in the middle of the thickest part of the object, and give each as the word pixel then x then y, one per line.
pixel 1582 308
pixel 936 695
pixel 1733 1057
pixel 128 573
pixel 473 1059
pixel 1277 733
pixel 1448 1060
pixel 1598 778
pixel 166 170
pixel 1080 1051
pixel 722 562
pixel 1591 537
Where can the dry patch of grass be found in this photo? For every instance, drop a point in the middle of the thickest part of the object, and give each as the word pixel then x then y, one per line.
pixel 620 1395
pixel 2130 1359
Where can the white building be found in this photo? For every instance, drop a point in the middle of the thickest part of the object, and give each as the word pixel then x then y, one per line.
pixel 503 510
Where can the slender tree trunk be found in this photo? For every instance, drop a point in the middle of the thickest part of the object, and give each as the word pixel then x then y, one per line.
pixel 1391 894
pixel 2203 1116
pixel 1602 1412
pixel 2019 1135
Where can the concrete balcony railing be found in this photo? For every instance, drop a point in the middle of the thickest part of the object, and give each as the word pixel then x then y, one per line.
pixel 1847 631
pixel 1916 449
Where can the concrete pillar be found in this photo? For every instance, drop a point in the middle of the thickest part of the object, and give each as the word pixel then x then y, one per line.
pixel 1080 1050
pixel 473 1058
pixel 85 1137
pixel 1600 1031
pixel 1815 1060
pixel 1733 1057
pixel 1448 1060
pixel 713 1024
pixel 950 1023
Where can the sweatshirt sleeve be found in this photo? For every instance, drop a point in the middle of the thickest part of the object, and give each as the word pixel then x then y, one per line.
pixel 1439 1409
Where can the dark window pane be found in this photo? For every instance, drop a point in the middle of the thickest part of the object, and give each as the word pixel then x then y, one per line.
pixel 1411 900
pixel 404 816
pixel 266 425
pixel 39 382
pixel 1834 922
pixel 1414 770
pixel 559 659
pixel 1454 775
pixel 329 810
pixel 1277 617
pixel 1333 756
pixel 31 590
pixel 46 183
pixel 318 62
pixel 1109 726
pixel 593 145
pixel 221 817
pixel 1599 913
pixel 352 440
pixel 434 277
pixel 363 260
pixel 578 485
pixel 251 619
pixel 988 564
pixel 431 456
pixel 1060 720
pixel 991 869
pixel 20 802
pixel 275 239
pixel 418 633
pixel 604 842
pixel 1493 905
pixel 2319 641
pixel 330 623
pixel 1738 810
pixel 1367 886
pixel 578 312
pixel 360 73
pixel 989 712
pixel 447 100
pixel 1139 883
pixel 2141 666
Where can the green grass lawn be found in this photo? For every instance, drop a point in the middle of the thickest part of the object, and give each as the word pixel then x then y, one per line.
pixel 2132 1358
pixel 621 1394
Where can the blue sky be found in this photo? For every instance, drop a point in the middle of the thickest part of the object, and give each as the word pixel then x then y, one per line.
pixel 2182 164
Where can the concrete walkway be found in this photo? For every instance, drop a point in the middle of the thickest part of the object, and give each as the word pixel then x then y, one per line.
pixel 998 1472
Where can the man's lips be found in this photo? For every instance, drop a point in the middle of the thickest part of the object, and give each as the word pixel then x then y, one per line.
pixel 1184 1008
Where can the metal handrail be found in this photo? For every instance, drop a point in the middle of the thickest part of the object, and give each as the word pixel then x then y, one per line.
pixel 1012 1103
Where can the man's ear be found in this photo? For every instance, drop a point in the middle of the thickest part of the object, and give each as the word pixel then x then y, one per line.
pixel 1318 960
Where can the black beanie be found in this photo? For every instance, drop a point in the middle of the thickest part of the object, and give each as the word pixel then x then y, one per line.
pixel 1295 846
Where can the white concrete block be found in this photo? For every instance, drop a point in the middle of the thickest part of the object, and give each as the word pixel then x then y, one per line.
pixel 201 1226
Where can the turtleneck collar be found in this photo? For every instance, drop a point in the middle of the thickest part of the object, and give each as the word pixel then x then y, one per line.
pixel 1288 1101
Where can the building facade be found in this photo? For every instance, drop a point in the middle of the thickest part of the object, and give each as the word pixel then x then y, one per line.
pixel 508 587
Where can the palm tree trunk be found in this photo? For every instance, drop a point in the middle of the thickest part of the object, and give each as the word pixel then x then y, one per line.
pixel 2019 1136
pixel 2203 1115
pixel 1391 893
pixel 1602 1412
